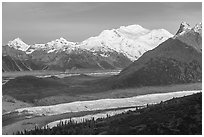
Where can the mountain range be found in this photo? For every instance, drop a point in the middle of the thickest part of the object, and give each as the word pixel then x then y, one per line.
pixel 111 49
pixel 177 60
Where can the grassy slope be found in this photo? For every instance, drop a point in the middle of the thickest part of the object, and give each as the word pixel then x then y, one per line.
pixel 118 93
pixel 10 104
pixel 52 90
pixel 171 62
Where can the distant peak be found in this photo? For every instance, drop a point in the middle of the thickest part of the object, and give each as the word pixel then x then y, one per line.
pixel 198 27
pixel 199 24
pixel 185 24
pixel 59 43
pixel 60 39
pixel 17 39
pixel 17 43
pixel 63 39
pixel 183 27
pixel 134 26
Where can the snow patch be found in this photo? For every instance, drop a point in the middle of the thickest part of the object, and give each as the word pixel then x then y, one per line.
pixel 104 55
pixel 52 50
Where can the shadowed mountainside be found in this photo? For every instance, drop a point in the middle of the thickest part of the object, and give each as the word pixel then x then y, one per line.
pixel 173 61
pixel 170 63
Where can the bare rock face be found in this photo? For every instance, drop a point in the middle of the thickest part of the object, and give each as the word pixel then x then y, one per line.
pixel 190 36
pixel 183 27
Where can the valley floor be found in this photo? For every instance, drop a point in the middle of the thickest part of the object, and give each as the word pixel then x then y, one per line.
pixel 52 73
pixel 22 99
pixel 10 103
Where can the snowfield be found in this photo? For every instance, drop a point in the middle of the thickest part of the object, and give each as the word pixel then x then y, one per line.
pixel 103 104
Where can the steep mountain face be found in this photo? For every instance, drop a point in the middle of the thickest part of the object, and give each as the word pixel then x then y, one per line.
pixel 191 36
pixel 112 49
pixel 12 64
pixel 184 26
pixel 17 60
pixel 57 55
pixel 177 60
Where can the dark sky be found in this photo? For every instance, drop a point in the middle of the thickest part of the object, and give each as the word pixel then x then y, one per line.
pixel 43 22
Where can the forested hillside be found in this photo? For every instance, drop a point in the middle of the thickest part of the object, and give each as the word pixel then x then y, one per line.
pixel 176 116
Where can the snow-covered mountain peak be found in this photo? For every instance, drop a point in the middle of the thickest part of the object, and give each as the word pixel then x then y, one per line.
pixel 63 41
pixel 124 30
pixel 132 41
pixel 61 38
pixel 191 36
pixel 59 43
pixel 18 44
pixel 198 28
pixel 184 27
pixel 18 39
pixel 133 30
pixel 185 24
